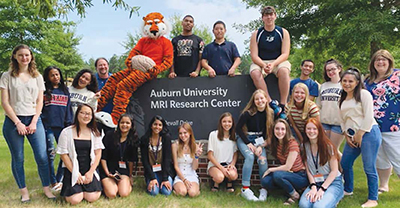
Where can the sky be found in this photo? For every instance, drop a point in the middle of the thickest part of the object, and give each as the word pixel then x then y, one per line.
pixel 104 28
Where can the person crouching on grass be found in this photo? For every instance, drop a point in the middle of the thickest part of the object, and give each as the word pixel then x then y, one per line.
pixel 222 153
pixel 186 154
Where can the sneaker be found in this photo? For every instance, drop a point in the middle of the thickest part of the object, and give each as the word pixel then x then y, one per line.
pixel 57 187
pixel 248 194
pixel 263 195
pixel 348 193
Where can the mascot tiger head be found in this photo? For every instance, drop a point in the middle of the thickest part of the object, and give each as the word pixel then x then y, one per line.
pixel 154 25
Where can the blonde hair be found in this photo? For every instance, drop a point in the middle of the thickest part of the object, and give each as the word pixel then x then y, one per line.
pixel 14 66
pixel 192 140
pixel 251 108
pixel 306 103
pixel 373 74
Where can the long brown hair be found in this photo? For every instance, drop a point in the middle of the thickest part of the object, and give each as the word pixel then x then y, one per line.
pixel 286 139
pixel 251 108
pixel 326 148
pixel 220 135
pixel 192 140
pixel 373 74
pixel 14 66
pixel 91 125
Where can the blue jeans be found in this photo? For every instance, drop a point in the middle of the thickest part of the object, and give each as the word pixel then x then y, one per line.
pixel 369 151
pixel 288 181
pixel 331 197
pixel 52 135
pixel 15 143
pixel 249 160
pixel 156 190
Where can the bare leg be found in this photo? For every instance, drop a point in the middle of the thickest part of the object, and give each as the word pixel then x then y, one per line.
pixel 180 189
pixel 259 83
pixel 124 186
pixel 24 194
pixel 194 190
pixel 336 139
pixel 74 199
pixel 384 175
pixel 284 84
pixel 110 187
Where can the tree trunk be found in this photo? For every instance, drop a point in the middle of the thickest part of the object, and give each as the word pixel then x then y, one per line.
pixel 375 46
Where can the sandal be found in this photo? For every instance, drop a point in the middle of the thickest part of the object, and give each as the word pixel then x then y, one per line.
pixel 289 202
pixel 381 191
pixel 229 188
pixel 214 188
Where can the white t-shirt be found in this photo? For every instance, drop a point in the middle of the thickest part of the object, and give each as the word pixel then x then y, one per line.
pixel 328 103
pixel 223 150
pixel 22 95
pixel 82 96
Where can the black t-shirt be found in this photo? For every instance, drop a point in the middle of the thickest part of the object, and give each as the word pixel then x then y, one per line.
pixel 186 54
pixel 255 123
pixel 112 154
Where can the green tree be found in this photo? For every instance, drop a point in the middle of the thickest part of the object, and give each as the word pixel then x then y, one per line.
pixel 53 42
pixel 51 8
pixel 350 31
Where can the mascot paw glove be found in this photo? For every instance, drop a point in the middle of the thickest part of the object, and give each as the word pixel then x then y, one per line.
pixel 142 63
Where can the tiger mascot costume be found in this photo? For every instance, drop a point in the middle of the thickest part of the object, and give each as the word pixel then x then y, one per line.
pixel 152 55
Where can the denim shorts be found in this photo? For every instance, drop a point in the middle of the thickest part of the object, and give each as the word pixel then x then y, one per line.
pixel 334 128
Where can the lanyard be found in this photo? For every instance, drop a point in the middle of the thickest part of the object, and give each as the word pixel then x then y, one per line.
pixel 315 160
pixel 122 147
pixel 156 153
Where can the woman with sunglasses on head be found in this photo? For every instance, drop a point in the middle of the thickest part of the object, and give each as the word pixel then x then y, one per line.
pixel 79 147
pixel 155 147
pixel 118 156
pixel 361 131
pixel 383 83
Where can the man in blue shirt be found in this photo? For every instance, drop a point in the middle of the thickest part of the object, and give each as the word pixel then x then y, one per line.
pixel 307 67
pixel 220 57
pixel 102 76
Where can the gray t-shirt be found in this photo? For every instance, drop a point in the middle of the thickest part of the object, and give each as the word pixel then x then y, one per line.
pixel 324 170
pixel 22 95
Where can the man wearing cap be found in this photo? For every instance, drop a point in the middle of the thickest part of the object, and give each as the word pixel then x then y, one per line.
pixel 269 50
pixel 187 51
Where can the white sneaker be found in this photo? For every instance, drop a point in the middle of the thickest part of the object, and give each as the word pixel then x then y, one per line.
pixel 263 195
pixel 248 194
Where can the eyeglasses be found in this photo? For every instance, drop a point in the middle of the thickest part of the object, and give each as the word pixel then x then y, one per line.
pixel 331 69
pixel 85 113
pixel 381 59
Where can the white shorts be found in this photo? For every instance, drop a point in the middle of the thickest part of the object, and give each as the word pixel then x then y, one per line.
pixel 389 152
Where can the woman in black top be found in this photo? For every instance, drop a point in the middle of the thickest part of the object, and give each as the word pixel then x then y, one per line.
pixel 156 157
pixel 121 151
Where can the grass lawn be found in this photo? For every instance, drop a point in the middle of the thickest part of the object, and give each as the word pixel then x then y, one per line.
pixel 9 194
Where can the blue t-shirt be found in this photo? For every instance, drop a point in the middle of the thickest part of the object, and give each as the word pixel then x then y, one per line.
pixel 101 82
pixel 220 56
pixel 311 84
pixel 386 98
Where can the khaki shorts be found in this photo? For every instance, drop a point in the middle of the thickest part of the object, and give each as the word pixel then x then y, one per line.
pixel 285 64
